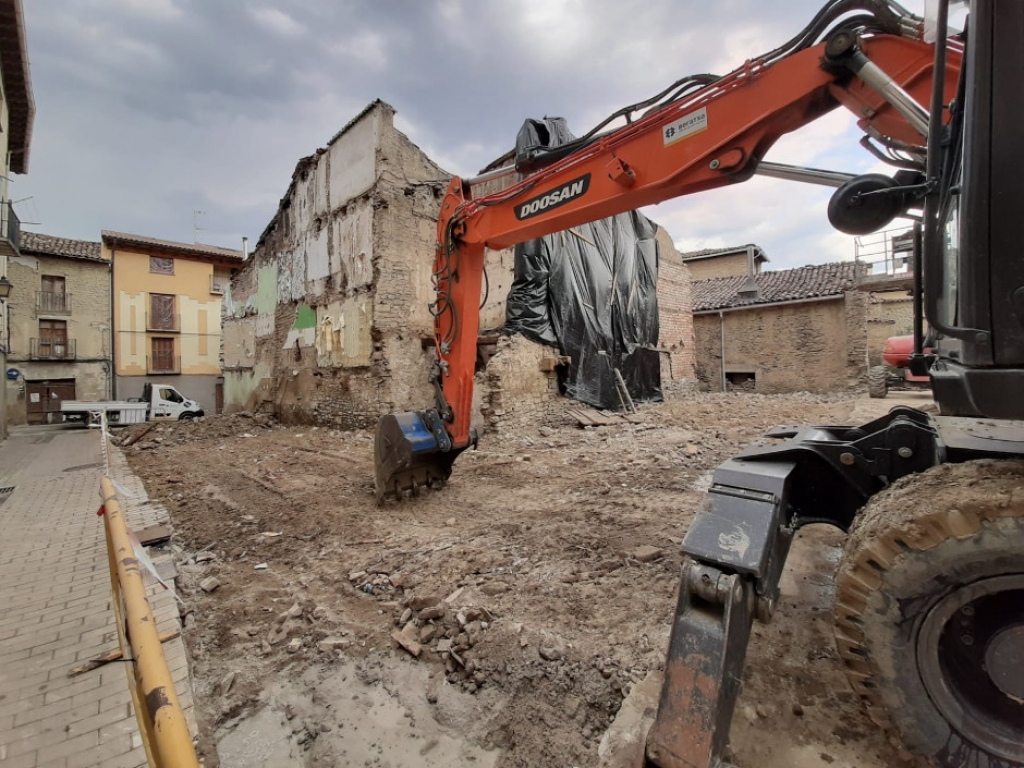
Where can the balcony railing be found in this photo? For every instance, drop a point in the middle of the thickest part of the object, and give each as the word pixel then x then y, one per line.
pixel 163 364
pixel 218 283
pixel 885 260
pixel 164 324
pixel 10 229
pixel 52 349
pixel 51 303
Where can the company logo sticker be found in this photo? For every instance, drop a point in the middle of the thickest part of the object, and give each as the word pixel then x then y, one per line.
pixel 558 196
pixel 686 126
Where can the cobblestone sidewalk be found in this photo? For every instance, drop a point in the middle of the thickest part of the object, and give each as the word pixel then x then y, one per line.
pixel 55 607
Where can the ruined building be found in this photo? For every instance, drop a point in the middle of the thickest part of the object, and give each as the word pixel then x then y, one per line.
pixel 328 321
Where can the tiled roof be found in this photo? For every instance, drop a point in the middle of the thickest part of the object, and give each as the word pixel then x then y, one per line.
pixel 709 252
pixel 35 242
pixel 188 249
pixel 812 282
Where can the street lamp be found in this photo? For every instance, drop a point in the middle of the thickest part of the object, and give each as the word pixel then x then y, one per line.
pixel 5 287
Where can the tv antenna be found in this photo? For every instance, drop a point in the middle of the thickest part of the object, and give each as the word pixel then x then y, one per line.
pixel 196 229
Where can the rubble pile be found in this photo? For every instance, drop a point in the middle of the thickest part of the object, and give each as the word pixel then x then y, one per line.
pixel 165 434
pixel 512 610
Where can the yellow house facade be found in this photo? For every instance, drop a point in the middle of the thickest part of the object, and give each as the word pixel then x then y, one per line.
pixel 166 299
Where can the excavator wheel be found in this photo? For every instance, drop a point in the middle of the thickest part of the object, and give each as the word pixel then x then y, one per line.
pixel 929 613
pixel 878 381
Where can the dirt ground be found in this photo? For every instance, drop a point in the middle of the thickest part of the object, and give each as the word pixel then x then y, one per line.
pixel 499 621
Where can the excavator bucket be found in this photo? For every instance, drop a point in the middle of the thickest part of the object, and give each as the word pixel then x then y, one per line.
pixel 411 450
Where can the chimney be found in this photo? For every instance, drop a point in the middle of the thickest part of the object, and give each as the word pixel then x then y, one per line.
pixel 749 289
pixel 245 248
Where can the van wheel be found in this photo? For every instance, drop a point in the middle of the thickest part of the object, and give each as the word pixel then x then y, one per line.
pixel 187 416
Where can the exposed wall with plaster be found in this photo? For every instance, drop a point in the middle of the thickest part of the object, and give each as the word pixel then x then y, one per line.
pixel 328 321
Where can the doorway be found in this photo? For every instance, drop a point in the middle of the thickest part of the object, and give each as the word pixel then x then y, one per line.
pixel 43 399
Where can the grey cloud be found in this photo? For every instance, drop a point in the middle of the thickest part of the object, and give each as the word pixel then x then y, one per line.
pixel 149 110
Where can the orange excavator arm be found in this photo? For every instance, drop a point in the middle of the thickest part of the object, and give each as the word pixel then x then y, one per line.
pixel 715 137
pixel 709 133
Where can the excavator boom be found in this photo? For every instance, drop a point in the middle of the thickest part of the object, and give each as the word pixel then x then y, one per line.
pixel 713 132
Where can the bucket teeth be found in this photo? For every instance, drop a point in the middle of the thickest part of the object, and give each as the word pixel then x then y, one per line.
pixel 411 451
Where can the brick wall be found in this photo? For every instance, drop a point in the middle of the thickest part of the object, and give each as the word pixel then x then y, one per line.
pixel 794 347
pixel 675 330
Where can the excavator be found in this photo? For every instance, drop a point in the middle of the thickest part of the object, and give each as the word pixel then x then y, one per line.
pixel 929 607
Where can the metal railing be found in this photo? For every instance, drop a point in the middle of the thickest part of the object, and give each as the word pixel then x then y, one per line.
pixel 52 349
pixel 886 254
pixel 170 324
pixel 161 719
pixel 53 303
pixel 10 225
pixel 163 364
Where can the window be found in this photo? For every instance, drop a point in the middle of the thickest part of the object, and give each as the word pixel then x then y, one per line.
pixel 161 312
pixel 170 395
pixel 220 279
pixel 163 359
pixel 161 266
pixel 53 330
pixel 53 338
pixel 53 298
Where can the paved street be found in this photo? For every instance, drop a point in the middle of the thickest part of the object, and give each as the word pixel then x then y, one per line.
pixel 55 606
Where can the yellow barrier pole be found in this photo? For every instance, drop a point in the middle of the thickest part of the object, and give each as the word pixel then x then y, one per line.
pixel 161 719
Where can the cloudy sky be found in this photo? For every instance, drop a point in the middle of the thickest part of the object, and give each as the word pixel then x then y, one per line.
pixel 148 110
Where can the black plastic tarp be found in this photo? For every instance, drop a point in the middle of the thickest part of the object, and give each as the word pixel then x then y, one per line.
pixel 592 292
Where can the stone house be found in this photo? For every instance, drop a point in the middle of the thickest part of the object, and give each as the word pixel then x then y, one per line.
pixel 166 313
pixel 793 330
pixel 712 263
pixel 59 328
pixel 328 322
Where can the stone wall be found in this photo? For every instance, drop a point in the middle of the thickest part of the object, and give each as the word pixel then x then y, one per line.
pixel 512 392
pixel 325 321
pixel 731 265
pixel 88 325
pixel 889 314
pixel 815 346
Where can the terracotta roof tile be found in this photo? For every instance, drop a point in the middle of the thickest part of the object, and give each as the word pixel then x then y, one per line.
pixel 35 242
pixel 812 282
pixel 194 249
